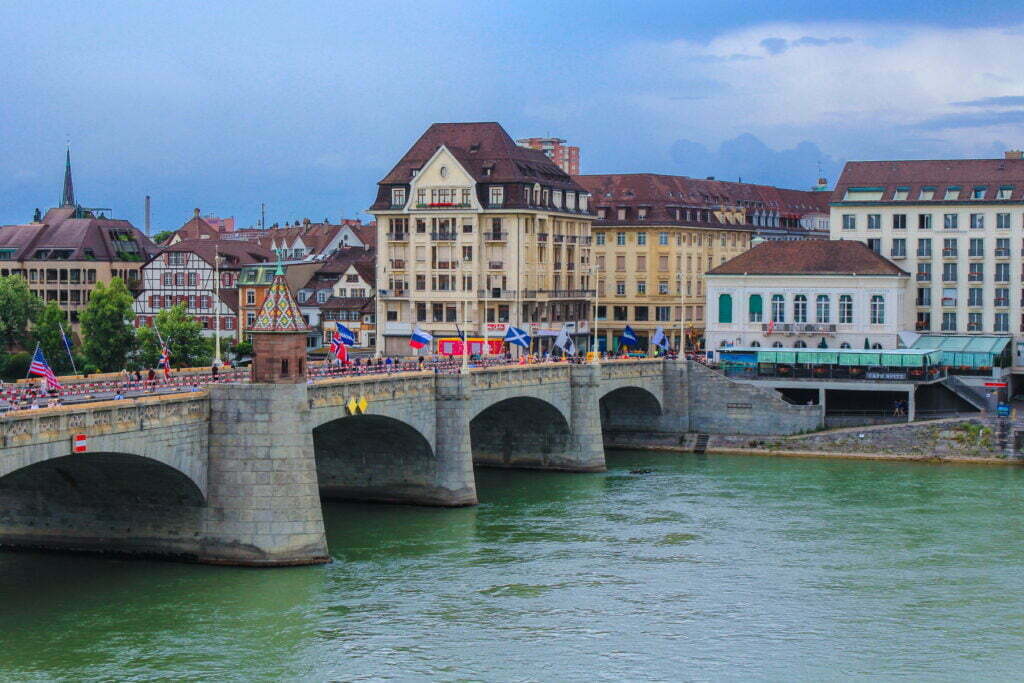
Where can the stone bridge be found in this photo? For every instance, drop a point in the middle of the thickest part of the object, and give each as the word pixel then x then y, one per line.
pixel 235 474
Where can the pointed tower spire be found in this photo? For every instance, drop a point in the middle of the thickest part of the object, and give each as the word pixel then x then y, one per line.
pixel 68 198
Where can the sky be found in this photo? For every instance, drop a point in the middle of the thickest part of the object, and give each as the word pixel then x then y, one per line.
pixel 305 105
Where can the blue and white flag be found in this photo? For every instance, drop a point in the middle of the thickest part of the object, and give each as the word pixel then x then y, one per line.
pixel 347 336
pixel 659 339
pixel 628 338
pixel 420 338
pixel 516 336
pixel 564 342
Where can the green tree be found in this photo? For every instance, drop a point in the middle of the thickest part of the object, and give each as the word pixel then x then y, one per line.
pixel 109 338
pixel 46 331
pixel 242 349
pixel 159 237
pixel 183 335
pixel 16 366
pixel 18 307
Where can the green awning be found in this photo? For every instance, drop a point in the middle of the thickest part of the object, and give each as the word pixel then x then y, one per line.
pixel 785 356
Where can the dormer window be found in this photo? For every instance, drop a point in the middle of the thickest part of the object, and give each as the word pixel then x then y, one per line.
pixel 979 192
pixel 556 198
pixel 900 194
pixel 641 212
pixel 398 196
pixel 927 193
pixel 1004 192
pixel 497 195
pixel 415 172
pixel 952 193
pixel 602 213
pixel 622 214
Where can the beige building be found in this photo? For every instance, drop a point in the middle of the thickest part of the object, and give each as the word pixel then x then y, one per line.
pixel 957 226
pixel 656 235
pixel 806 294
pixel 478 233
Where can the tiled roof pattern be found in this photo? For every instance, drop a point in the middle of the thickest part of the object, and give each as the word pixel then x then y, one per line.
pixel 280 312
pixel 965 174
pixel 74 234
pixel 809 257
pixel 234 252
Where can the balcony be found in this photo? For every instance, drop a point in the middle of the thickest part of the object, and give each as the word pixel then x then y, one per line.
pixel 443 205
pixel 558 266
pixel 394 293
pixel 445 265
pixel 921 303
pixel 567 293
pixel 571 239
pixel 922 326
pixel 558 239
pixel 949 253
pixel 542 237
pixel 495 236
pixel 975 277
pixel 497 293
pixel 924 254
pixel 897 254
pixel 586 240
pixel 399 236
pixel 443 236
pixel 496 265
pixel 1002 253
pixel 398 264
pixel 571 266
pixel 1001 302
pixel 949 301
pixel 924 277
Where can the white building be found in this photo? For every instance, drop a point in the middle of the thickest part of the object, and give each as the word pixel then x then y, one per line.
pixel 806 293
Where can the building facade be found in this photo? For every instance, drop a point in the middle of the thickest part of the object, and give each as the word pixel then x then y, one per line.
pixel 956 225
pixel 478 233
pixel 806 294
pixel 566 157
pixel 656 235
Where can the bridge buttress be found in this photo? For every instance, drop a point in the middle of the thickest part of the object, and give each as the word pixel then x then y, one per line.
pixel 587 454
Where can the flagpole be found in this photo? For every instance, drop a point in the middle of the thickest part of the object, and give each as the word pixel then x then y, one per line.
pixel 595 273
pixel 216 304
pixel 64 340
pixel 28 373
pixel 682 324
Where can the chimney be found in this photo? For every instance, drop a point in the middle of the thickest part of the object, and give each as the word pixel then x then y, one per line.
pixel 1013 154
pixel 822 181
pixel 148 225
pixel 195 213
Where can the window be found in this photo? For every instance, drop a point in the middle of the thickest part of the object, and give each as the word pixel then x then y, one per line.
pixel 641 287
pixel 849 221
pixel 952 193
pixel 800 308
pixel 949 272
pixel 822 313
pixel 846 309
pixel 950 221
pixel 924 321
pixel 1004 191
pixel 321 296
pixel 168 279
pixel 949 321
pixel 754 307
pixel 976 247
pixel 663 238
pixel 877 309
pixel 725 308
pixel 641 238
pixel 977 221
pixel 641 313
pixel 497 195
pixel 641 262
pixel 663 262
pixel 620 239
pixel 875 245
pixel 1002 247
pixel 800 344
pixel 778 308
pixel 1001 323
pixel 949 247
pixel 924 246
pixel 620 262
pixel 949 296
pixel 663 287
pixel 978 192
pixel 899 221
pixel 974 296
pixel 1002 272
pixel 1003 221
pixel 924 272
pixel 620 288
pixel 924 296
pixel 398 196
pixel 619 313
pixel 924 221
pixel 900 193
pixel 250 297
pixel 844 345
pixel 1002 297
pixel 976 272
pixel 974 322
pixel 899 247
pixel 874 221
pixel 662 313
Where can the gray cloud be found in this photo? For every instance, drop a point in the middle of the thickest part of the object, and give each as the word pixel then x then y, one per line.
pixel 978 119
pixel 1004 101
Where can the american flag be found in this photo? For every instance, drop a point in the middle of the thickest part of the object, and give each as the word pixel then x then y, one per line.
pixel 41 368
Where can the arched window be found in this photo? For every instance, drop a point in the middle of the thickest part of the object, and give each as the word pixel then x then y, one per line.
pixel 800 308
pixel 755 344
pixel 846 309
pixel 877 310
pixel 755 308
pixel 777 345
pixel 824 315
pixel 725 308
pixel 801 344
pixel 876 345
pixel 778 308
pixel 844 345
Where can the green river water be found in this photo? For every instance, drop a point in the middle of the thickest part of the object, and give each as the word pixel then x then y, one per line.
pixel 718 567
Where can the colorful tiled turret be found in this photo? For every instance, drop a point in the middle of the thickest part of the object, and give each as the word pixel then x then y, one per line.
pixel 279 337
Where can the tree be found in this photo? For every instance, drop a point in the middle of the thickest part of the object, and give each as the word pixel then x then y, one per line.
pixel 18 307
pixel 109 338
pixel 162 236
pixel 183 335
pixel 46 331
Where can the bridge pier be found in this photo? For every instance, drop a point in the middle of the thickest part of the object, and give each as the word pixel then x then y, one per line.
pixel 587 453
pixel 263 506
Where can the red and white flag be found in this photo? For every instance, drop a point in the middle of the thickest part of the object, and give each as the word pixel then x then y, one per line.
pixel 41 368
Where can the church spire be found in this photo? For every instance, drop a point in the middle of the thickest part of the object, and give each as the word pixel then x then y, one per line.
pixel 68 198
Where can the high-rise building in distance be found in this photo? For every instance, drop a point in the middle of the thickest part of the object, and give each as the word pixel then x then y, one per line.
pixel 566 157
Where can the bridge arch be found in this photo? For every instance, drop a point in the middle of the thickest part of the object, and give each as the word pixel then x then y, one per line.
pixel 374 457
pixel 102 501
pixel 521 431
pixel 629 408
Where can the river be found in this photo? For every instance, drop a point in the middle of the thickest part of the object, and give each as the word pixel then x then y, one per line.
pixel 717 567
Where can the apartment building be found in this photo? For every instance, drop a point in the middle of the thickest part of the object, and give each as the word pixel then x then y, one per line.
pixel 478 233
pixel 566 157
pixel 656 235
pixel 64 253
pixel 956 225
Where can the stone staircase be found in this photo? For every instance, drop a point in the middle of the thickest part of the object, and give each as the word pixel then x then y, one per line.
pixel 967 392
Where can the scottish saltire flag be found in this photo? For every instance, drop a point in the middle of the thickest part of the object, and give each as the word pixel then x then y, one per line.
pixel 516 336
pixel 564 342
pixel 347 336
pixel 41 368
pixel 659 339
pixel 420 338
pixel 628 338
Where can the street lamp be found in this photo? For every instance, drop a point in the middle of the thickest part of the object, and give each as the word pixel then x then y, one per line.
pixel 594 271
pixel 465 323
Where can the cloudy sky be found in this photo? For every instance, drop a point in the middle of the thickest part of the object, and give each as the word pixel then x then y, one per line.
pixel 305 105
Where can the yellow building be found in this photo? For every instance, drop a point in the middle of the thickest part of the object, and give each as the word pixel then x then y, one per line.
pixel 477 233
pixel 655 236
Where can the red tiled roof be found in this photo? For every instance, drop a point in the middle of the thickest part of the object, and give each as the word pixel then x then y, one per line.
pixel 809 257
pixel 938 174
pixel 235 252
pixel 86 238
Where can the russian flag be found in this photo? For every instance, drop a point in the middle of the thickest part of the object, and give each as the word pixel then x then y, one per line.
pixel 419 338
